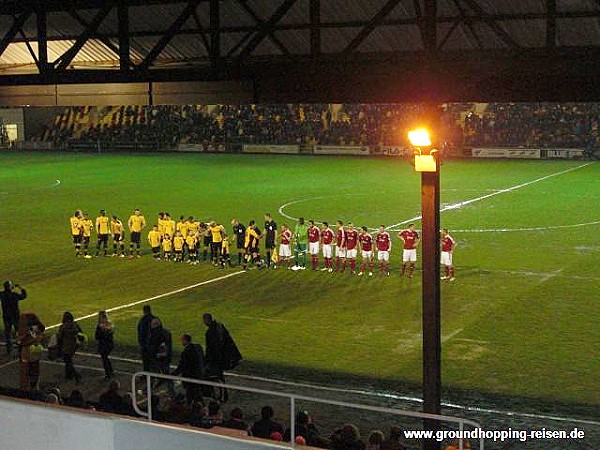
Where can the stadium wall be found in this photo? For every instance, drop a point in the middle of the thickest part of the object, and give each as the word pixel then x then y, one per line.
pixel 102 94
pixel 29 425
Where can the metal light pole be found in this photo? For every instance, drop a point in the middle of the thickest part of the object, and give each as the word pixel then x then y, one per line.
pixel 432 343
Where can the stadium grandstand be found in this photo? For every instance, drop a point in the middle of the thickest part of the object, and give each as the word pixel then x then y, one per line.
pixel 226 112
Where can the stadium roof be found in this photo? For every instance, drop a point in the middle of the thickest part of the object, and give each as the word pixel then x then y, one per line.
pixel 131 40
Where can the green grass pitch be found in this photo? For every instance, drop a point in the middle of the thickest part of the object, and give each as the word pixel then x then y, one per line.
pixel 521 318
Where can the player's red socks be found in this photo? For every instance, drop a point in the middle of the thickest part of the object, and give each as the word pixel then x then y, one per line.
pixel 447 271
pixel 315 262
pixel 343 265
pixel 353 265
pixel 411 270
pixel 403 269
pixel 363 266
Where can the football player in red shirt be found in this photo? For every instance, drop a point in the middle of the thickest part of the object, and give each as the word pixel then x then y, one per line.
pixel 314 236
pixel 351 247
pixel 410 238
pixel 366 249
pixel 340 249
pixel 448 245
pixel 285 249
pixel 327 237
pixel 383 240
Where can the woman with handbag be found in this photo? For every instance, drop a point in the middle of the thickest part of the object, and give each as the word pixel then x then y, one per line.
pixel 105 337
pixel 69 337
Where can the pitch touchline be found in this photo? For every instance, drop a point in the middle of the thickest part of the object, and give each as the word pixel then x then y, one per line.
pixel 501 191
pixel 156 297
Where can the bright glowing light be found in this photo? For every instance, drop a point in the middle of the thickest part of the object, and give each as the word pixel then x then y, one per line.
pixel 419 138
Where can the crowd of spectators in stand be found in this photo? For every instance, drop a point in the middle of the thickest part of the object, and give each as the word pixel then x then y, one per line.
pixel 535 125
pixel 500 124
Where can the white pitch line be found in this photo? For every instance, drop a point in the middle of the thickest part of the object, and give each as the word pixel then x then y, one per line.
pixel 498 192
pixel 511 230
pixel 156 297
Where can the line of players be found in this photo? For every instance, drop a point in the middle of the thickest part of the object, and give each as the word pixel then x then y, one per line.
pixel 181 241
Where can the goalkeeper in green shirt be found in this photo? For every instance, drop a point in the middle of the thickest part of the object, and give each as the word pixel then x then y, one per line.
pixel 301 243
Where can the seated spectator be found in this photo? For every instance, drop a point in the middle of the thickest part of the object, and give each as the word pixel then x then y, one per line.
pixel 206 417
pixel 52 399
pixel 393 442
pixel 375 440
pixel 236 420
pixel 265 426
pixel 112 400
pixel 76 400
pixel 347 438
pixel 306 428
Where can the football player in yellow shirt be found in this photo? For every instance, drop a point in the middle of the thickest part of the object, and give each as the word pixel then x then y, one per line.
pixel 136 223
pixel 216 235
pixel 181 226
pixel 225 258
pixel 154 240
pixel 191 240
pixel 116 229
pixel 87 226
pixel 167 246
pixel 251 244
pixel 103 230
pixel 169 225
pixel 178 241
pixel 76 231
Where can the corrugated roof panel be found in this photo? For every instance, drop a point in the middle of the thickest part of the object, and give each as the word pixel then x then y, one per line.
pixel 154 17
pixel 512 6
pixel 578 31
pixel 526 33
pixel 297 41
pixel 393 39
pixel 16 54
pixel 335 40
pixel 577 5
pixel 232 14
pixel 350 10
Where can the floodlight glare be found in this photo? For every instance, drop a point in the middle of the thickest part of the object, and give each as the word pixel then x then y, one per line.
pixel 419 138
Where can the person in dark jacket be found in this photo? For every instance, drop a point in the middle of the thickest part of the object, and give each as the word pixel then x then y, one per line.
pixel 105 338
pixel 68 337
pixel 221 352
pixel 191 365
pixel 143 332
pixel 161 351
pixel 112 400
pixel 236 420
pixel 265 426
pixel 10 299
pixel 306 428
pixel 347 438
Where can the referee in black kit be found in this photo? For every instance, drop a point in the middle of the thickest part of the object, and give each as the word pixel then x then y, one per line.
pixel 271 236
pixel 239 231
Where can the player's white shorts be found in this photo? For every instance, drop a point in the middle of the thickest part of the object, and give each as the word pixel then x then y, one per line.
pixel 367 254
pixel 285 251
pixel 340 252
pixel 351 254
pixel 409 255
pixel 327 251
pixel 446 258
pixel 383 255
pixel 313 248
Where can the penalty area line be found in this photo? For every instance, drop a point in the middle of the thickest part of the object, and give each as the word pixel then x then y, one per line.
pixel 156 297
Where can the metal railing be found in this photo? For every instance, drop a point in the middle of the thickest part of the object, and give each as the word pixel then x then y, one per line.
pixel 293 398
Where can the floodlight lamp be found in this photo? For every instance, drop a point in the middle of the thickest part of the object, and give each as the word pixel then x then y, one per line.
pixel 419 138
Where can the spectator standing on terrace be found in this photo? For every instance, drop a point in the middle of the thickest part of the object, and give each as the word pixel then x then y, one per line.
pixel 221 351
pixel 393 442
pixel 10 299
pixel 270 236
pixel 30 336
pixel 143 332
pixel 265 426
pixel 68 336
pixel 105 338
pixel 191 365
